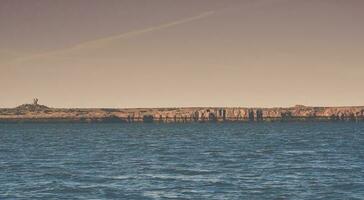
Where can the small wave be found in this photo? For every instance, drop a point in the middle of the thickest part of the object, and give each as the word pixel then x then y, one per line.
pixel 194 178
pixel 299 152
pixel 161 194
pixel 121 177
pixel 190 171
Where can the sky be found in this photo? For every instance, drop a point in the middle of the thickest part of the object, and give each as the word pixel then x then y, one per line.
pixel 182 53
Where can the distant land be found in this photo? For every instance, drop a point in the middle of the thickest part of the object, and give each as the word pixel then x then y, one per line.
pixel 40 113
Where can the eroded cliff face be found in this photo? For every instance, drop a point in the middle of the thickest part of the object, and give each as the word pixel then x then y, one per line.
pixel 39 113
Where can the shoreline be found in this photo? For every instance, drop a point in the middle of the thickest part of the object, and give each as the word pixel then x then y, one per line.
pixel 41 113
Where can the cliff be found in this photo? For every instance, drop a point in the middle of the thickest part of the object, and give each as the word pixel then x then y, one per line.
pixel 40 113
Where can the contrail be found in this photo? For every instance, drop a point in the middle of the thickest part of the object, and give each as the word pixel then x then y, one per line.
pixel 142 31
pixel 99 42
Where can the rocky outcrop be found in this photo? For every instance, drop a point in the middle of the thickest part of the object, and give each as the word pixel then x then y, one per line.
pixel 35 112
pixel 31 107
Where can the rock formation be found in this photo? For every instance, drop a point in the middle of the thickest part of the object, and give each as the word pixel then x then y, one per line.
pixel 37 112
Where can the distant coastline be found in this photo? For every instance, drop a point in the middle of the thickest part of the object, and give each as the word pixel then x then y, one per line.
pixel 40 113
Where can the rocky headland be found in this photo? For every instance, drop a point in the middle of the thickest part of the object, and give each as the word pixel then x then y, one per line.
pixel 40 113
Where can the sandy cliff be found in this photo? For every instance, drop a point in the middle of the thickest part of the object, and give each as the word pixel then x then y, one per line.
pixel 39 113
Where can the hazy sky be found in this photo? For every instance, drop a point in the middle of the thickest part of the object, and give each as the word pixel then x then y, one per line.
pixel 161 53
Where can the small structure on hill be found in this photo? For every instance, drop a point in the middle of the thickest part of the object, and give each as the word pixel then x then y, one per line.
pixel 35 101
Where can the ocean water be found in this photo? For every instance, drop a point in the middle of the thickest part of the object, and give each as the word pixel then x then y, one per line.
pixel 182 161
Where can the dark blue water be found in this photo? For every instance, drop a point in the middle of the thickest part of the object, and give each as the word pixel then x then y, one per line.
pixel 182 161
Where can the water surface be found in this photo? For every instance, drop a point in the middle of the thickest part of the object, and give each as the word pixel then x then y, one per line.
pixel 182 161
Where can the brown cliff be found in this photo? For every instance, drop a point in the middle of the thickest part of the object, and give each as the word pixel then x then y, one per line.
pixel 39 113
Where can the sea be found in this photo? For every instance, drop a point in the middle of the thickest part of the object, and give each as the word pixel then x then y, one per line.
pixel 280 160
